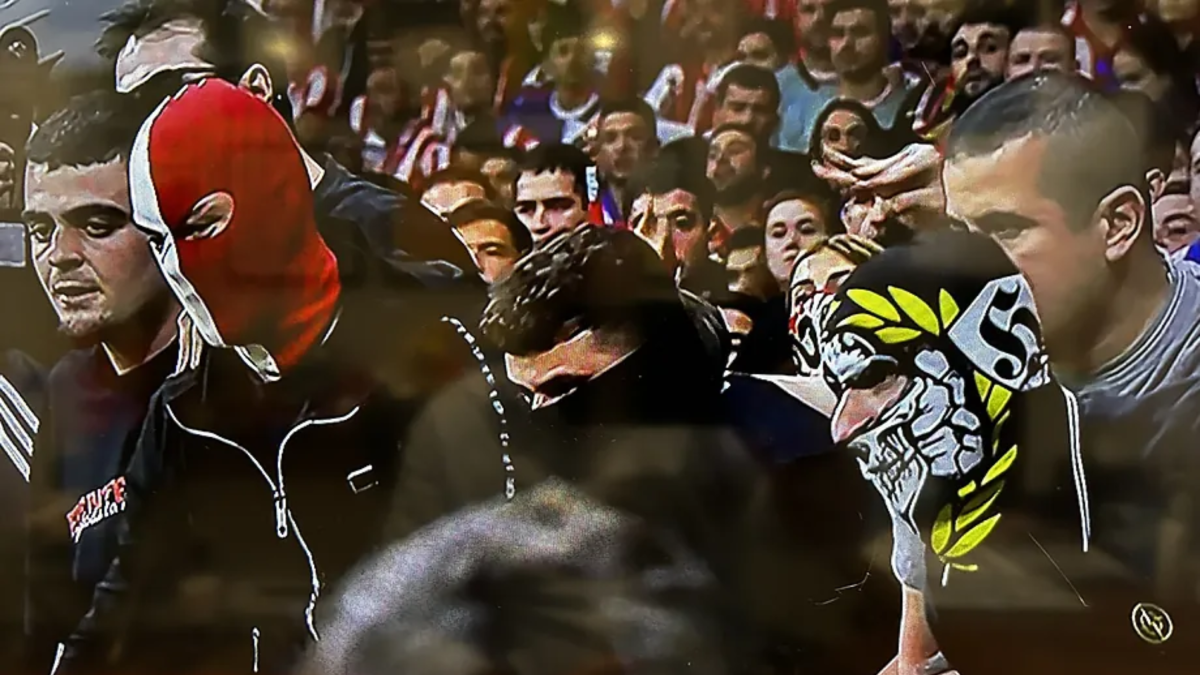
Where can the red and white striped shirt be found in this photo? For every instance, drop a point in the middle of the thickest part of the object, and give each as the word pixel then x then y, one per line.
pixel 439 112
pixel 415 154
pixel 320 93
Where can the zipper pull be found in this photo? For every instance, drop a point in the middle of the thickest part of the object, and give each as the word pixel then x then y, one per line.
pixel 281 515
pixel 254 636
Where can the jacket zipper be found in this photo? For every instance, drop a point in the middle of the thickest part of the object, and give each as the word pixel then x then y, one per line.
pixel 284 521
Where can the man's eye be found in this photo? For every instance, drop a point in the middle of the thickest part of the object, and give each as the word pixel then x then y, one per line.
pixel 101 228
pixel 684 223
pixel 873 375
pixel 40 232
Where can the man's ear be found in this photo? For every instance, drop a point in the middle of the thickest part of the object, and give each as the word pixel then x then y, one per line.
pixel 1123 215
pixel 257 81
pixel 1157 181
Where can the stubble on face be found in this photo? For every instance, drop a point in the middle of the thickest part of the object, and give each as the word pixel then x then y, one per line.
pixel 95 266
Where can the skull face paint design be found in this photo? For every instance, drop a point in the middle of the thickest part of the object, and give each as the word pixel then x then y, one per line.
pixel 815 279
pixel 926 429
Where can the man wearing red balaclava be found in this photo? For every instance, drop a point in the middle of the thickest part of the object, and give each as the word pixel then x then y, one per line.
pixel 231 225
pixel 267 461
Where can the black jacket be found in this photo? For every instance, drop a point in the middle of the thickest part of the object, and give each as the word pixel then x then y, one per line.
pixel 357 218
pixel 246 501
pixel 89 427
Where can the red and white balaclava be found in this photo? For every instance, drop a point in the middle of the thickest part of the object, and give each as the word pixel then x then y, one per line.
pixel 265 284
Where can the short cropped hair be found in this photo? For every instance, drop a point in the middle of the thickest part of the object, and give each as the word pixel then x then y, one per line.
pixel 752 77
pixel 92 128
pixel 1089 140
pixel 591 277
pixel 668 173
pixel 476 210
pixel 761 143
pixel 551 157
pixel 817 193
pixel 633 106
pixel 883 17
pixel 778 32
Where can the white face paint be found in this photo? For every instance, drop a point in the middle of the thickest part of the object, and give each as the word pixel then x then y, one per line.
pixel 928 431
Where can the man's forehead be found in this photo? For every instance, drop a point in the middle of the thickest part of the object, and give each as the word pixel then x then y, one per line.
pixel 621 120
pixel 66 187
pixel 174 45
pixel 545 185
pixel 973 32
pixel 1003 180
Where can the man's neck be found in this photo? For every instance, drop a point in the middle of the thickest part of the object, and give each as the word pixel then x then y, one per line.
pixel 1130 311
pixel 736 216
pixel 132 346
pixel 865 91
pixel 819 65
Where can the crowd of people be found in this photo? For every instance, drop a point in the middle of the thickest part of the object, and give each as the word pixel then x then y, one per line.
pixel 567 336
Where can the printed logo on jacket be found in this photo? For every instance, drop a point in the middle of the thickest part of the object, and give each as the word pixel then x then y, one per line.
pixel 96 506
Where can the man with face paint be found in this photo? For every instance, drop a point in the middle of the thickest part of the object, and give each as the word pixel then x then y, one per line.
pixel 945 398
pixel 156 45
pixel 816 276
pixel 283 364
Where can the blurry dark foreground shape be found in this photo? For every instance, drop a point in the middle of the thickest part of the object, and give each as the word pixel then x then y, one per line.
pixel 482 591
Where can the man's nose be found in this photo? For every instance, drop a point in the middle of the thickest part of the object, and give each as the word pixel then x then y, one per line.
pixel 65 248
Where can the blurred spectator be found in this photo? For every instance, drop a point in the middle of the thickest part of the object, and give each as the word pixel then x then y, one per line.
pixel 770 44
pixel 554 190
pixel 1164 150
pixel 1194 168
pixel 493 235
pixel 1175 225
pixel 737 167
pixel 683 91
pixel 979 49
pixel 816 276
pixel 396 140
pixel 1100 28
pixel 748 95
pixel 859 35
pixel 504 37
pixel 812 32
pixel 448 189
pixel 746 266
pixel 672 210
pixel 766 43
pixel 564 110
pixel 795 221
pixel 1150 61
pixel 1040 48
pixel 479 149
pixel 848 127
pixel 625 141
pixel 464 97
